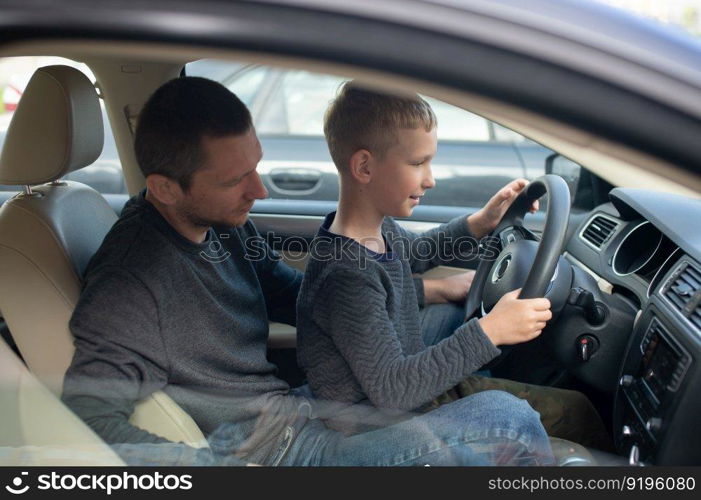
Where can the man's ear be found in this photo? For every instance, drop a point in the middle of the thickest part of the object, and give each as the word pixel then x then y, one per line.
pixel 165 190
pixel 359 166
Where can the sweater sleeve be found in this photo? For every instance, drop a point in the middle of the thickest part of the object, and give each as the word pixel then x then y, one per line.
pixel 353 313
pixel 449 244
pixel 119 356
pixel 280 282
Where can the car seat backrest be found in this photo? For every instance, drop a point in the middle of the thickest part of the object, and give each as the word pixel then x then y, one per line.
pixel 48 233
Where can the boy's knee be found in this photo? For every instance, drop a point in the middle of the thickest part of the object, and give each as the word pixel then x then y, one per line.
pixel 500 401
pixel 512 408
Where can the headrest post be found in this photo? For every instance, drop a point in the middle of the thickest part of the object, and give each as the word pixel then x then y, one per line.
pixel 28 190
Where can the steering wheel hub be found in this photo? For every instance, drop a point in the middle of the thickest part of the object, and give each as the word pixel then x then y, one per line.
pixel 501 267
pixel 509 271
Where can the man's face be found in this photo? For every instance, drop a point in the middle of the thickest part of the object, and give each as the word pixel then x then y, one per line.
pixel 403 174
pixel 223 189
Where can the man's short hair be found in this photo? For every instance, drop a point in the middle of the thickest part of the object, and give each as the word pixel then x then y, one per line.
pixel 174 121
pixel 366 119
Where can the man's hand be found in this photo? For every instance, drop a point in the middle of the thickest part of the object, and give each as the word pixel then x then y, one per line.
pixel 514 320
pixel 485 220
pixel 451 289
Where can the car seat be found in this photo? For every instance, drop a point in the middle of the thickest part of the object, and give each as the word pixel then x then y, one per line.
pixel 49 232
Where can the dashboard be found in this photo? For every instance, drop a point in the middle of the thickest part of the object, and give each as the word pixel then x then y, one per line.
pixel 643 251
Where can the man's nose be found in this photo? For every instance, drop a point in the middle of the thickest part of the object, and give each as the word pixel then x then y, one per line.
pixel 256 188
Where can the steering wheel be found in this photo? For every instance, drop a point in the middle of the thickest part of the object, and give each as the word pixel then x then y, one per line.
pixel 521 260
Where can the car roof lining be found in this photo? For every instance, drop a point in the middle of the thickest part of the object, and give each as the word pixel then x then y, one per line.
pixel 616 164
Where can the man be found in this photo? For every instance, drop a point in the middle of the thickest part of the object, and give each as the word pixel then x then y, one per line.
pixel 179 296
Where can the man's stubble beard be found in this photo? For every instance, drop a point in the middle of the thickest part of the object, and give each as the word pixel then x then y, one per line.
pixel 189 214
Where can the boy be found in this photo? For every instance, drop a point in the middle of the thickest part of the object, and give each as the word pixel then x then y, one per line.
pixel 357 311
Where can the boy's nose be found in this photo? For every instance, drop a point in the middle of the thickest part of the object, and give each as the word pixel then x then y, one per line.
pixel 429 182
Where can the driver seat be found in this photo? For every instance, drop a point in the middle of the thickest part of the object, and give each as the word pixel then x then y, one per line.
pixel 48 233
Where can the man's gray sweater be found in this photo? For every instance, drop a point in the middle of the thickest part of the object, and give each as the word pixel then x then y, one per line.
pixel 359 338
pixel 159 312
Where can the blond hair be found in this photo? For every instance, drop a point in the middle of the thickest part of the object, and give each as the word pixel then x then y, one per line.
pixel 365 119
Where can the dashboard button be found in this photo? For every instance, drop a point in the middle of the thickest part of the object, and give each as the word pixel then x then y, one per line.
pixel 626 381
pixel 653 424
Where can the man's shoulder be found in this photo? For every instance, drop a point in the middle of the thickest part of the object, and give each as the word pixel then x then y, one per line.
pixel 132 243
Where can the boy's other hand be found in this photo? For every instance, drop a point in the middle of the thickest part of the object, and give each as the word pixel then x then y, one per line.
pixel 514 320
pixel 450 289
pixel 485 220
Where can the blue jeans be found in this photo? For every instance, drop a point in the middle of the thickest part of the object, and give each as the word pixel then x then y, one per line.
pixel 487 428
pixel 439 321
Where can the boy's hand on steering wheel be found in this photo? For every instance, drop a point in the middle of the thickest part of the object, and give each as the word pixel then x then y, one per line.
pixel 485 220
pixel 514 320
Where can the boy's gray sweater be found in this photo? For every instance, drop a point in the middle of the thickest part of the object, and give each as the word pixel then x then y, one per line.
pixel 359 339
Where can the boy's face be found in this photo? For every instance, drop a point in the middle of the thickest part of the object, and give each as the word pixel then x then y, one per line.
pixel 403 174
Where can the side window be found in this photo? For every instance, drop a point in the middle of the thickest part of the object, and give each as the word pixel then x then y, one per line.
pixel 475 156
pixel 455 124
pixel 105 174
pixel 298 103
pixel 248 83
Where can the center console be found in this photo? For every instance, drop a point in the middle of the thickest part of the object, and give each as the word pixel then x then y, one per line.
pixel 658 401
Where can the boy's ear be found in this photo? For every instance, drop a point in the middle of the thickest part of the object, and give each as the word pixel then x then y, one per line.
pixel 164 189
pixel 359 166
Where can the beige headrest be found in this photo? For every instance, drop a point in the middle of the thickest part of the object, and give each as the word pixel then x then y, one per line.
pixel 56 129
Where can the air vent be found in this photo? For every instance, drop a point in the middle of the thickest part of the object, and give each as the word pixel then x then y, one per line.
pixel 599 231
pixel 683 290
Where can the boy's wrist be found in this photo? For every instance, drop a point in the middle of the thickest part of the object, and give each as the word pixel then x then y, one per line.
pixel 477 226
pixel 489 329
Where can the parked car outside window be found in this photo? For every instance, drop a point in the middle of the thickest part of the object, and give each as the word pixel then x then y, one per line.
pixel 475 156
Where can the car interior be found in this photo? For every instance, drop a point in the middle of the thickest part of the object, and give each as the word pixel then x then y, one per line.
pixel 622 241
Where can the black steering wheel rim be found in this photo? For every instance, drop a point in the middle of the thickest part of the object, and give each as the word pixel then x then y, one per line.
pixel 549 248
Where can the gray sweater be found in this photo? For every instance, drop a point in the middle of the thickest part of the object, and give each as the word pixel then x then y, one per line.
pixel 359 338
pixel 159 312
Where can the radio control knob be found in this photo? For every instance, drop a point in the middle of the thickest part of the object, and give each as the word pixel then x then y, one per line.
pixel 626 381
pixel 653 424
